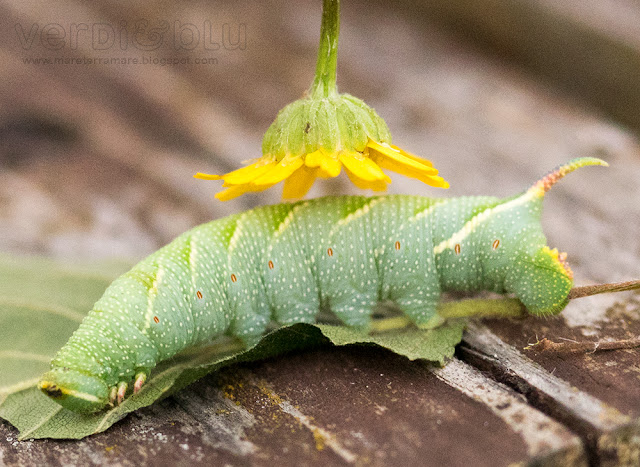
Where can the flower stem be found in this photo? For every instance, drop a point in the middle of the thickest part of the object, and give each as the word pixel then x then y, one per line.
pixel 390 324
pixel 476 308
pixel 588 290
pixel 324 83
pixel 483 308
pixel 501 307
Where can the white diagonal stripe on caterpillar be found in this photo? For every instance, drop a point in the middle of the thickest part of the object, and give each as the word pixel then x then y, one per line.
pixel 356 214
pixel 153 292
pixel 192 263
pixel 428 211
pixel 236 234
pixel 478 219
pixel 287 220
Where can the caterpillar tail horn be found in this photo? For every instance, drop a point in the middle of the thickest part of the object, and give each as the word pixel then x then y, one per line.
pixel 545 183
pixel 548 294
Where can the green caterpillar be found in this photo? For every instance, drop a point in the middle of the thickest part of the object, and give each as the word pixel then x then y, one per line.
pixel 284 262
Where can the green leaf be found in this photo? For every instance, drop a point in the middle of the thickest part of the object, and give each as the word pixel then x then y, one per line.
pixel 42 303
pixel 436 345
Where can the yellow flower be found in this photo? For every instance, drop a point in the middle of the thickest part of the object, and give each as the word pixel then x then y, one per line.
pixel 318 135
pixel 345 133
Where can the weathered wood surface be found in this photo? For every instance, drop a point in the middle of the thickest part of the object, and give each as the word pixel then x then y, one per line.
pixel 331 407
pixel 609 425
pixel 96 162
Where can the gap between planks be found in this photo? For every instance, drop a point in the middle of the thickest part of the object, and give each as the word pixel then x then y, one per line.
pixel 611 437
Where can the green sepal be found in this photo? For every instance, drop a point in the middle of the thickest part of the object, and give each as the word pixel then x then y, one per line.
pixel 339 122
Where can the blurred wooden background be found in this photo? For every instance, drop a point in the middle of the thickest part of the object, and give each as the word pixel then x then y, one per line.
pixel 96 162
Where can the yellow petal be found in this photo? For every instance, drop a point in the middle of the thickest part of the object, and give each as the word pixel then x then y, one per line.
pixel 314 159
pixel 329 166
pixel 363 167
pixel 432 180
pixel 248 173
pixel 414 167
pixel 376 185
pixel 207 176
pixel 412 156
pixel 435 181
pixel 238 190
pixel 277 173
pixel 394 158
pixel 299 183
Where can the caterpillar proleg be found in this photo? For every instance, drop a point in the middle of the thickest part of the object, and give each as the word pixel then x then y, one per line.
pixel 283 263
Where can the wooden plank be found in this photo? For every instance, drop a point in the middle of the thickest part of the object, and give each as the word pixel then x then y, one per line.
pixel 610 427
pixel 336 406
pixel 548 442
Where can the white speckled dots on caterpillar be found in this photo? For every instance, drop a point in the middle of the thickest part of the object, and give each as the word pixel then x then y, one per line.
pixel 284 262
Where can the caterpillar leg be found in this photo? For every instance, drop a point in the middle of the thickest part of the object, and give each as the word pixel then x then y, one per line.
pixel 122 390
pixel 421 310
pixel 140 379
pixel 118 392
pixel 300 312
pixel 354 310
pixel 249 327
pixel 413 285
pixel 113 394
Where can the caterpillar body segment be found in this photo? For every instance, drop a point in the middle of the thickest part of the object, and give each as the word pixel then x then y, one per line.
pixel 282 263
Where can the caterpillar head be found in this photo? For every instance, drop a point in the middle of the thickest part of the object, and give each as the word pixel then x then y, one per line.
pixel 75 390
pixel 545 282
